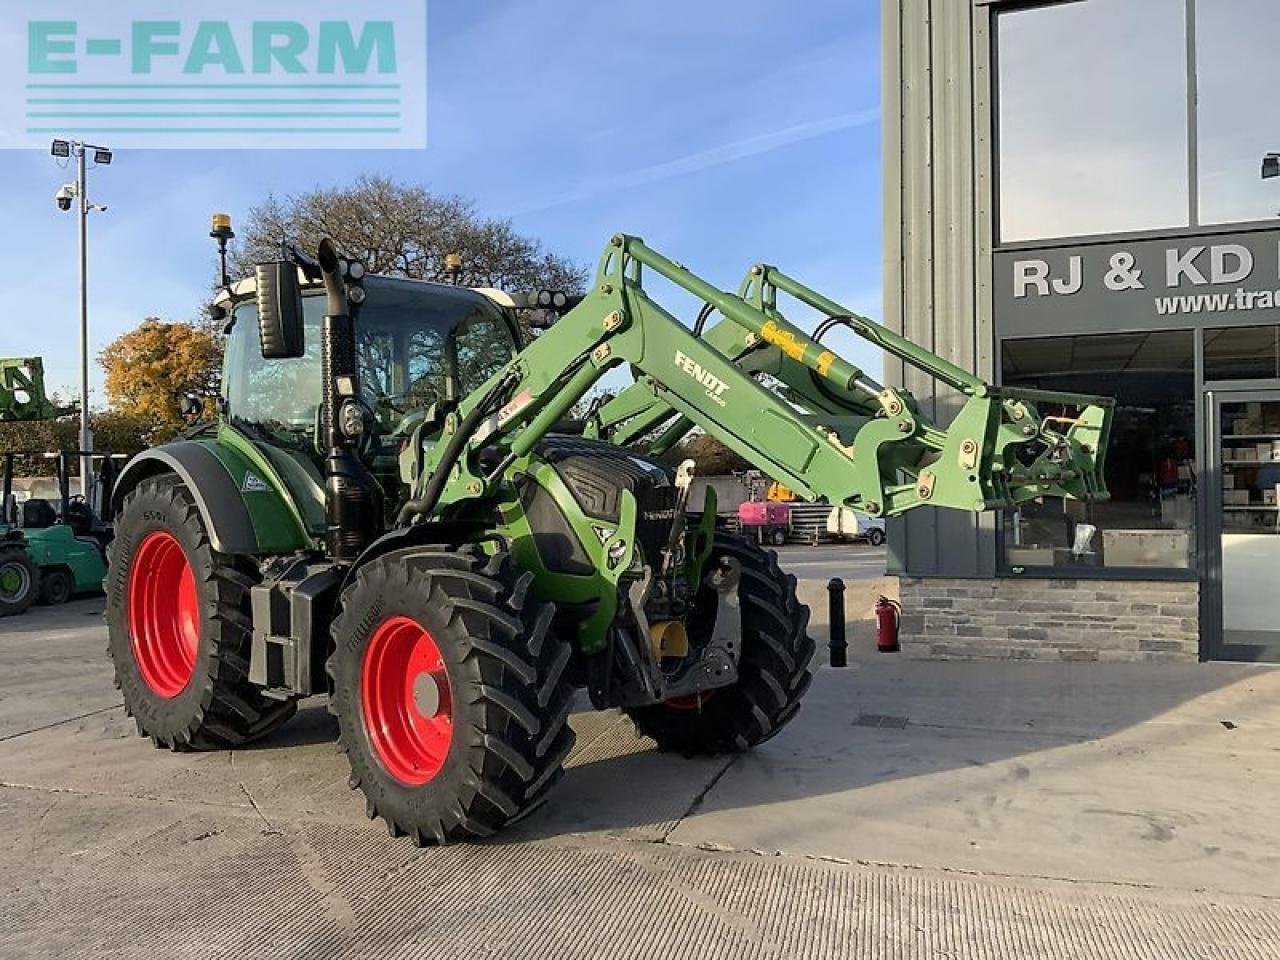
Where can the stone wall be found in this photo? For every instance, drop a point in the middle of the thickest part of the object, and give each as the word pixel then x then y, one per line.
pixel 1025 619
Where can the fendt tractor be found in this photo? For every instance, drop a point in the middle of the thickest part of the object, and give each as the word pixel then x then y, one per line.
pixel 395 508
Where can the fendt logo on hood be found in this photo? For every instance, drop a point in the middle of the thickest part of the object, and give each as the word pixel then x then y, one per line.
pixel 716 388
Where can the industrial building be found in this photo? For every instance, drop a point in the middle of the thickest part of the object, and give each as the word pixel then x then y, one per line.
pixel 1080 195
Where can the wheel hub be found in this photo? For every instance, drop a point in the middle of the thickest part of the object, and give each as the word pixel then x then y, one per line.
pixel 406 702
pixel 164 614
pixel 13 579
pixel 426 694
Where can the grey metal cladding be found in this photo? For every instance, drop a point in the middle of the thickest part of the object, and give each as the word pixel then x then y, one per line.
pixel 938 214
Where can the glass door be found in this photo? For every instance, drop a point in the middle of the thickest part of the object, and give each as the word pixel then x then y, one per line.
pixel 1244 535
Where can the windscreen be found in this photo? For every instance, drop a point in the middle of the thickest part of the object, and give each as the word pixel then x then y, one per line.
pixel 416 343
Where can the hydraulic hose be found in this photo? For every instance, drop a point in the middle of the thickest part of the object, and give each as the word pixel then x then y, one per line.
pixel 425 504
pixel 703 316
pixel 827 325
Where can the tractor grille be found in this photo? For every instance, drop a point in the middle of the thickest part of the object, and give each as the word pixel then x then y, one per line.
pixel 596 473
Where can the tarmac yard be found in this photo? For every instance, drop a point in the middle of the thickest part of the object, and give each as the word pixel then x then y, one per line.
pixel 912 810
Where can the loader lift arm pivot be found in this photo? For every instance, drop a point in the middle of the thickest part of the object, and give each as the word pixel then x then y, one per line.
pixel 858 453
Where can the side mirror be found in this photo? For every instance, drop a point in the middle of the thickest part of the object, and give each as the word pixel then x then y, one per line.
pixel 279 310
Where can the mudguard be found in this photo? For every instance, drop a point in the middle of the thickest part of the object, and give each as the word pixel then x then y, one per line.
pixel 244 504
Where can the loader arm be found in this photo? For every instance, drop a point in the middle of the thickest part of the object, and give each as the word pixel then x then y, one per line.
pixel 841 457
pixel 22 391
pixel 1031 448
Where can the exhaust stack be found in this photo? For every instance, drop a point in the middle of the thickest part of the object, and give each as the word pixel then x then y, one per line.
pixel 353 499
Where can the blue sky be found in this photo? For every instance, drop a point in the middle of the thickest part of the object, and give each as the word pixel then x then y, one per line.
pixel 724 133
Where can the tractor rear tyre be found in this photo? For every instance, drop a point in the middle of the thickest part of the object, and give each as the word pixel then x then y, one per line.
pixel 179 627
pixel 773 672
pixel 19 579
pixel 450 692
pixel 56 586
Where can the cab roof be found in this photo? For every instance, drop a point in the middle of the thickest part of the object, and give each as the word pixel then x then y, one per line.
pixel 247 288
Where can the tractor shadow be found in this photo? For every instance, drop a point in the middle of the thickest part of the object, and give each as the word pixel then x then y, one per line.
pixel 938 731
pixel 929 727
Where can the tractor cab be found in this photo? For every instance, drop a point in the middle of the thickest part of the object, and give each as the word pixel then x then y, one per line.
pixel 417 344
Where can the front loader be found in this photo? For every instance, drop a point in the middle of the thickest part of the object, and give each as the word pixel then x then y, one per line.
pixel 394 508
pixel 1030 453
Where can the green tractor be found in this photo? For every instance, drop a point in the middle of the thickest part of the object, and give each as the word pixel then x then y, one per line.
pixel 395 508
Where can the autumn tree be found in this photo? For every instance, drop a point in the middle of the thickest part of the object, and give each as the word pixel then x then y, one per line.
pixel 404 230
pixel 150 368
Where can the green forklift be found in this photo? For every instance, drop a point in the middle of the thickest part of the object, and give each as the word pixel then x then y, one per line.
pixel 395 509
pixel 23 398
pixel 65 538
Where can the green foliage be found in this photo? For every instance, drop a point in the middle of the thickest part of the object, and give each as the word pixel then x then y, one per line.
pixel 113 432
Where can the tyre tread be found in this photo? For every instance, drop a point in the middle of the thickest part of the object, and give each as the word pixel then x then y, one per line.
pixel 232 711
pixel 524 695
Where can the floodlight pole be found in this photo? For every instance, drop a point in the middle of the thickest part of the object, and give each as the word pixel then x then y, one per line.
pixel 86 438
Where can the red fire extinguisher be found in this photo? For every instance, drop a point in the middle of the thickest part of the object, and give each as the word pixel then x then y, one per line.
pixel 888 613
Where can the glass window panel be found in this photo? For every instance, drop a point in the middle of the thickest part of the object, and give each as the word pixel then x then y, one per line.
pixel 277 398
pixel 1238 119
pixel 1151 470
pixel 1092 118
pixel 1242 353
pixel 1250 454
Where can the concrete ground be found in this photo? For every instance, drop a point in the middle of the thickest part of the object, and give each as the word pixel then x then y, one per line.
pixel 911 810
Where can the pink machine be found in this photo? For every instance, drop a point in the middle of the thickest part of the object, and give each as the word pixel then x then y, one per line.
pixel 770 522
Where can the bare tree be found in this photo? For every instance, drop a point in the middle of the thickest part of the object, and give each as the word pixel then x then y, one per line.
pixel 404 230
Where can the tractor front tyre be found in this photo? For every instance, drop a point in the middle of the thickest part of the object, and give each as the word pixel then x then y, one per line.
pixel 773 669
pixel 19 579
pixel 179 627
pixel 449 688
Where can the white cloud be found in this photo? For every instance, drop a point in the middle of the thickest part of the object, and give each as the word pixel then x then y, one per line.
pixel 711 157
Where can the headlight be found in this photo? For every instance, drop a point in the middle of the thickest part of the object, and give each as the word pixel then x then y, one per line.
pixel 351 420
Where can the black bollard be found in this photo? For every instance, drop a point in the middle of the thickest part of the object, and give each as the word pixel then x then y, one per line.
pixel 838 645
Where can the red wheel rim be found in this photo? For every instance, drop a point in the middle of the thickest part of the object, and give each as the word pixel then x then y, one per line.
pixel 691 701
pixel 406 701
pixel 164 614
